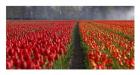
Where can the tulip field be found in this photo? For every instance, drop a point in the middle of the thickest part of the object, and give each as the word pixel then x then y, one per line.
pixel 36 44
pixel 44 44
pixel 110 44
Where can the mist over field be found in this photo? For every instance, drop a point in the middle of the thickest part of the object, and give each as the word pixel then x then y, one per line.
pixel 71 12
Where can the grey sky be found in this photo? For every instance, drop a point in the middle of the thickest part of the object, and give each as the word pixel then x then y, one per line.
pixel 71 12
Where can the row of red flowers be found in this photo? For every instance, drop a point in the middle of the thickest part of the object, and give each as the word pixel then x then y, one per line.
pixel 106 48
pixel 36 44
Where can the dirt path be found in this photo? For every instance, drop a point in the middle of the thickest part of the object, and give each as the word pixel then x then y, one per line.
pixel 77 60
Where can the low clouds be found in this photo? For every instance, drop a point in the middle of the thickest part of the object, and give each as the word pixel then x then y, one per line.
pixel 71 12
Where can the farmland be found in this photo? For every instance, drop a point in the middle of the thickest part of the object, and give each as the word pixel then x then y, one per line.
pixel 36 44
pixel 110 44
pixel 43 44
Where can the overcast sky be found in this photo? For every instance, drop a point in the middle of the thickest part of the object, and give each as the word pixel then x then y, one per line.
pixel 71 12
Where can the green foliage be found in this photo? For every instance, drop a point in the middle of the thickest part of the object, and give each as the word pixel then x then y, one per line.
pixel 85 50
pixel 64 60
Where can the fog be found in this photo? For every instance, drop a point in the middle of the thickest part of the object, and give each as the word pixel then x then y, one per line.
pixel 71 12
